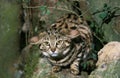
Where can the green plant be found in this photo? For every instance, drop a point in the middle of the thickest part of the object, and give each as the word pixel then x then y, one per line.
pixel 44 10
pixel 107 13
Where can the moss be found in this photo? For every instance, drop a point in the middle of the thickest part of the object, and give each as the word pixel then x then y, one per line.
pixel 31 62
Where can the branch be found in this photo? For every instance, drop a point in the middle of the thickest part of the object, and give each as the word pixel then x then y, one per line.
pixel 35 7
pixel 98 38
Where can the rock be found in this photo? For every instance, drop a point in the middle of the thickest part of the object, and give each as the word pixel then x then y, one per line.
pixel 109 53
pixel 44 71
pixel 108 64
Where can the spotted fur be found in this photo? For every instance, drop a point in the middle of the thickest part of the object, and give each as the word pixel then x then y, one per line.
pixel 66 42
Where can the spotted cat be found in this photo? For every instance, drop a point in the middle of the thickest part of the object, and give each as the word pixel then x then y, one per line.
pixel 66 43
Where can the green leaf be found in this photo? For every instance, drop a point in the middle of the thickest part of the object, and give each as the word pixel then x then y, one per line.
pixel 92 24
pixel 84 65
pixel 103 15
pixel 94 56
pixel 48 12
pixel 44 10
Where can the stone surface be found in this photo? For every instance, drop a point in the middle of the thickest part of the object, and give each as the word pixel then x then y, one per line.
pixel 44 71
pixel 108 64
pixel 110 52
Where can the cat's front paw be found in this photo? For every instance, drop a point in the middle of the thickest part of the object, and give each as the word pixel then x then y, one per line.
pixel 74 69
pixel 56 68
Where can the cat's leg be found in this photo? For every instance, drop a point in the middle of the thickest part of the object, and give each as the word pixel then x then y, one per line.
pixel 75 67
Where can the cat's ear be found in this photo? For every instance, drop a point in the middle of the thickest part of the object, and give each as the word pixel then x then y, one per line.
pixel 34 39
pixel 81 30
pixel 37 39
pixel 73 34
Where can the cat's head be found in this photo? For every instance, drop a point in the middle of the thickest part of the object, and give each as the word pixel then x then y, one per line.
pixel 54 45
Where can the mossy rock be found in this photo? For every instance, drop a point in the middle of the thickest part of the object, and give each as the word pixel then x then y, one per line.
pixel 44 71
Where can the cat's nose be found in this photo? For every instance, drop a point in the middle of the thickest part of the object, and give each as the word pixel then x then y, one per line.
pixel 53 49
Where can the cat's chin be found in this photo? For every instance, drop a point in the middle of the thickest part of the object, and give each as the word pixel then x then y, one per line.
pixel 54 55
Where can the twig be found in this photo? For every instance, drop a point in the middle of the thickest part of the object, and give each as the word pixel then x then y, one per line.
pixel 64 10
pixel 35 7
pixel 98 38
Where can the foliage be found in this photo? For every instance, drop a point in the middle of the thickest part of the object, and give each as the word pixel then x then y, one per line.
pixel 44 9
pixel 107 13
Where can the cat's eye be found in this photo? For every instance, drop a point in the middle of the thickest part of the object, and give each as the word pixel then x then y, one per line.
pixel 59 42
pixel 46 43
